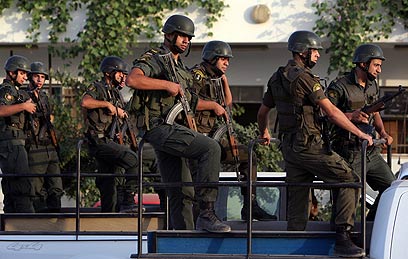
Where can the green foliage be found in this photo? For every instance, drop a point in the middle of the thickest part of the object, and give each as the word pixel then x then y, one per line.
pixel 268 157
pixel 111 28
pixel 349 23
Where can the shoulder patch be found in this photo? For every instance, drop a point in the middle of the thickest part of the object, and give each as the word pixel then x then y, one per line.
pixel 316 87
pixel 332 94
pixel 92 88
pixel 198 75
pixel 9 97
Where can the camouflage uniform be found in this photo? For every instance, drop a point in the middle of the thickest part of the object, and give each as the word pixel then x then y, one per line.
pixel 109 154
pixel 18 191
pixel 43 157
pixel 348 95
pixel 294 91
pixel 175 143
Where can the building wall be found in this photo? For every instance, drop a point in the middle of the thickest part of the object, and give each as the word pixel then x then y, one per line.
pixel 258 48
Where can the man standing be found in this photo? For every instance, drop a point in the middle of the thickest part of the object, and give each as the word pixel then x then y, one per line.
pixel 18 191
pixel 211 85
pixel 153 78
pixel 350 93
pixel 298 97
pixel 104 110
pixel 41 145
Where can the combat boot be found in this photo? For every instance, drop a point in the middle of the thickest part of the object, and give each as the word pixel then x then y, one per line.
pixel 257 212
pixel 128 204
pixel 344 246
pixel 207 220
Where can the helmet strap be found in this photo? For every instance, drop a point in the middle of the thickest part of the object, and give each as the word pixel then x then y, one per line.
pixel 307 59
pixel 188 49
pixel 112 78
pixel 365 69
pixel 172 44
pixel 13 77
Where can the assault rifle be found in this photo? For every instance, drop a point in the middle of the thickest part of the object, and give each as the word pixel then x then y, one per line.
pixel 23 97
pixel 168 62
pixel 115 133
pixel 128 127
pixel 47 119
pixel 377 106
pixel 324 122
pixel 219 89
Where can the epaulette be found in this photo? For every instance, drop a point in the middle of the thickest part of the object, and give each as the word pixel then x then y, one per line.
pixel 293 73
pixel 148 54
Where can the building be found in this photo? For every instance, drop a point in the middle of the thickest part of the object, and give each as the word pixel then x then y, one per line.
pixel 257 31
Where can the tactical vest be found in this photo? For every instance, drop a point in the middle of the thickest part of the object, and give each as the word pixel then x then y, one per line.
pixel 99 120
pixel 297 116
pixel 204 87
pixel 12 127
pixel 40 118
pixel 355 97
pixel 155 104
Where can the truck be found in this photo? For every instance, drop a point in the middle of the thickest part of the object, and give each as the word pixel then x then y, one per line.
pixel 82 233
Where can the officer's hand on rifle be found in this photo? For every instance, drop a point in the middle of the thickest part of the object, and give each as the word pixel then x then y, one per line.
pixel 174 89
pixel 121 113
pixel 29 106
pixel 358 116
pixel 219 110
pixel 111 109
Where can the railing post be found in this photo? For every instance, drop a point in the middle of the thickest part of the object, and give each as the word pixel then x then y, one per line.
pixel 249 185
pixel 78 190
pixel 363 192
pixel 140 201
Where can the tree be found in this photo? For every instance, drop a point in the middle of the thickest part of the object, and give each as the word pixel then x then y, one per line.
pixel 349 23
pixel 111 28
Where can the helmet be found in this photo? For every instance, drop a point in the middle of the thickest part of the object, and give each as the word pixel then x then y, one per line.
pixel 214 49
pixel 113 64
pixel 17 62
pixel 366 52
pixel 38 68
pixel 300 41
pixel 179 23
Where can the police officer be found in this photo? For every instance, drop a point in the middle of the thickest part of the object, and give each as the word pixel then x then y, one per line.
pixel 42 145
pixel 210 111
pixel 350 93
pixel 173 143
pixel 14 103
pixel 298 97
pixel 104 109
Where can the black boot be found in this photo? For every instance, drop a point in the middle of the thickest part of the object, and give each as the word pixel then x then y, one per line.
pixel 257 212
pixel 344 246
pixel 207 220
pixel 128 203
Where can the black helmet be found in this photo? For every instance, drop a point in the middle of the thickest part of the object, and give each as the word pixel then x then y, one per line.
pixel 17 62
pixel 366 52
pixel 179 23
pixel 300 41
pixel 38 68
pixel 214 49
pixel 113 64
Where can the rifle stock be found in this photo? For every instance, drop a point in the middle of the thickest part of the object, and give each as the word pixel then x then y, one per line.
pixel 379 105
pixel 168 62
